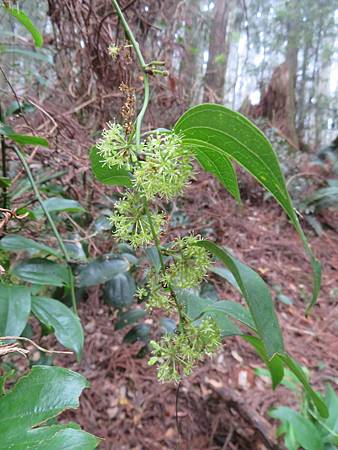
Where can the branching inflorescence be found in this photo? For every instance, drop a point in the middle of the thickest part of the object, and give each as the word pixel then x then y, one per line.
pixel 160 168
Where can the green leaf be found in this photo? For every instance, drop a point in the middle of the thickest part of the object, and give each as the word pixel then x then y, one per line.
pixel 220 166
pixel 233 310
pixel 16 50
pixel 217 129
pixel 101 271
pixel 59 204
pixel 5 182
pixel 15 243
pixel 305 432
pixel 16 108
pixel 140 332
pixel 25 139
pixel 227 275
pixel 275 364
pixel 120 290
pixel 42 271
pixel 15 307
pixel 129 317
pixel 27 23
pixel 297 370
pixel 41 395
pixel 113 176
pixel 198 307
pixel 257 296
pixel 66 324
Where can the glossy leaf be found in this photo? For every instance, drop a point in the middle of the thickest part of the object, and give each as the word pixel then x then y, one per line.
pixel 227 275
pixel 219 130
pixel 305 432
pixel 257 296
pixel 130 317
pixel 140 332
pixel 66 325
pixel 120 290
pixel 42 271
pixel 25 139
pixel 57 205
pixel 15 243
pixel 15 307
pixel 41 395
pixel 27 23
pixel 114 176
pixel 220 166
pixel 101 271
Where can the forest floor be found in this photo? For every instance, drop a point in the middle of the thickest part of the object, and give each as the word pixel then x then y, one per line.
pixel 223 405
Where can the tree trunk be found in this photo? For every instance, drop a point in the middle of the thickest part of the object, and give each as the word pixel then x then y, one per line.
pixel 292 62
pixel 301 94
pixel 191 65
pixel 215 73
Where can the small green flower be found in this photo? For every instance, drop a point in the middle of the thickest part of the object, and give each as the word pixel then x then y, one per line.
pixel 166 169
pixel 177 354
pixel 114 148
pixel 114 51
pixel 131 222
pixel 156 294
pixel 190 265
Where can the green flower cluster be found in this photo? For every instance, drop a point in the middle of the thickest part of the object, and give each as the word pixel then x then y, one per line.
pixel 166 169
pixel 160 169
pixel 190 265
pixel 177 354
pixel 131 221
pixel 114 148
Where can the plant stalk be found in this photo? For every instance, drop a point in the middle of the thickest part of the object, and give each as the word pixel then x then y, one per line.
pixel 138 126
pixel 52 225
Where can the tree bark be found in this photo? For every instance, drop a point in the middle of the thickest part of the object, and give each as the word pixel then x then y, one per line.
pixel 215 73
pixel 292 63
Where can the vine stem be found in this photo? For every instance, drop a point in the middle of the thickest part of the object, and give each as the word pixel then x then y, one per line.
pixel 52 225
pixel 143 67
pixel 138 126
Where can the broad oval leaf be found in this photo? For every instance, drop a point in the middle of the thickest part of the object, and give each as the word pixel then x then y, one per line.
pixel 101 271
pixel 120 290
pixel 67 326
pixel 257 296
pixel 15 243
pixel 219 130
pixel 58 204
pixel 113 176
pixel 42 271
pixel 27 23
pixel 37 397
pixel 130 317
pixel 15 307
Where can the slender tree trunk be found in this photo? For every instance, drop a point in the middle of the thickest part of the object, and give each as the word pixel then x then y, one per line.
pixel 191 65
pixel 292 62
pixel 301 94
pixel 215 73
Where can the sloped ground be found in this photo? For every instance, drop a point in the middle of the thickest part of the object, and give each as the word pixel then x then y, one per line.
pixel 131 411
